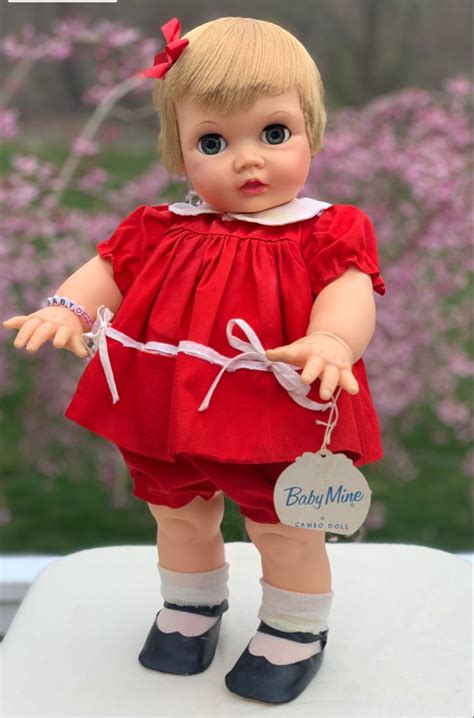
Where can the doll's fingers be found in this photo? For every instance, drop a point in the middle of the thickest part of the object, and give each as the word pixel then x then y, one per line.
pixel 62 336
pixel 80 350
pixel 329 381
pixel 349 382
pixel 15 322
pixel 26 331
pixel 290 354
pixel 76 346
pixel 312 369
pixel 41 334
pixel 277 354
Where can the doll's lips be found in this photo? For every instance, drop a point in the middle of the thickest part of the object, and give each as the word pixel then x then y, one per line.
pixel 253 187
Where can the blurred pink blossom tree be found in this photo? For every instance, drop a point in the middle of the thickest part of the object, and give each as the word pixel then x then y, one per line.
pixel 404 158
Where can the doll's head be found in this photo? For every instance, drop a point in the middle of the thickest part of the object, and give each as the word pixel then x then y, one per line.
pixel 244 101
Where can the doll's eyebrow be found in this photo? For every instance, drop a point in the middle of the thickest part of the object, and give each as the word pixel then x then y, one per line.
pixel 207 122
pixel 279 112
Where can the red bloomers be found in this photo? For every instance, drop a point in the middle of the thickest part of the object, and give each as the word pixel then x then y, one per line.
pixel 175 484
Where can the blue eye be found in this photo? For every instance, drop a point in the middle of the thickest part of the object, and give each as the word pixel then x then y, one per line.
pixel 275 134
pixel 211 144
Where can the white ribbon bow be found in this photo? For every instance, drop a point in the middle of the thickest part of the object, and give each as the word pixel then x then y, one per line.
pixel 284 373
pixel 97 339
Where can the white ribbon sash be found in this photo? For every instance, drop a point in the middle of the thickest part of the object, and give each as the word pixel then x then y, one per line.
pixel 252 356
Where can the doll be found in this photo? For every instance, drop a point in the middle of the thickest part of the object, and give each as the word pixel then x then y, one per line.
pixel 179 380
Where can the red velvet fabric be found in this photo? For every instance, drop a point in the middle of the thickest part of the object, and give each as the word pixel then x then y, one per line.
pixel 176 483
pixel 184 278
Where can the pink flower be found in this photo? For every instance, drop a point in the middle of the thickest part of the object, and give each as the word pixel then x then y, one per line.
pixel 82 146
pixel 8 123
pixel 93 180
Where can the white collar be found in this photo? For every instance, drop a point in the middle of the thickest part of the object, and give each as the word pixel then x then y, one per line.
pixel 295 210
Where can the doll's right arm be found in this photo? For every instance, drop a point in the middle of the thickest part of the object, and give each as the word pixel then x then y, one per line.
pixel 90 286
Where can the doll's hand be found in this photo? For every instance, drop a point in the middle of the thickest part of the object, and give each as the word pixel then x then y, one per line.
pixel 319 355
pixel 56 323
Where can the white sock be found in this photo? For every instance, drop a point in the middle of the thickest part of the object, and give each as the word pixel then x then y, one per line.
pixel 208 588
pixel 290 611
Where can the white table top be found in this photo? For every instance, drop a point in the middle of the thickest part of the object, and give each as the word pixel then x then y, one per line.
pixel 399 638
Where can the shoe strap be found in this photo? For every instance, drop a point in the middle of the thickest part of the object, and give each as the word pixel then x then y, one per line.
pixel 297 636
pixel 216 610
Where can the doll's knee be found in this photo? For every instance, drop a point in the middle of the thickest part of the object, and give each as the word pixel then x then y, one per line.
pixel 198 520
pixel 282 543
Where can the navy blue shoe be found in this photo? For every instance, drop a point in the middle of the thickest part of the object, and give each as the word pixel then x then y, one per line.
pixel 256 677
pixel 183 655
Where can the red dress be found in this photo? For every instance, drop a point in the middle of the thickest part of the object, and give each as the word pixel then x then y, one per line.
pixel 184 278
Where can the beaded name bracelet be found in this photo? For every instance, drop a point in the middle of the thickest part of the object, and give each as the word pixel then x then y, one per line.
pixel 70 304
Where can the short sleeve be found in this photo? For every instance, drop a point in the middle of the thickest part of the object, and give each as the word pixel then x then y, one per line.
pixel 132 243
pixel 342 236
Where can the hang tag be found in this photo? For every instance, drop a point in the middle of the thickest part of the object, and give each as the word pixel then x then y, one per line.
pixel 322 491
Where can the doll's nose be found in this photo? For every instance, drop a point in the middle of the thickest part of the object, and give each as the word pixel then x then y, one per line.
pixel 248 158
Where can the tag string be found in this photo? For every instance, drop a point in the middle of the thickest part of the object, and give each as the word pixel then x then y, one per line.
pixel 329 424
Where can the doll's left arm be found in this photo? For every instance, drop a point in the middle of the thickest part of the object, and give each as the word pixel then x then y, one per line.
pixel 346 308
pixel 341 257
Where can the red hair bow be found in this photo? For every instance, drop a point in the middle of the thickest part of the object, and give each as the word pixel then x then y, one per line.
pixel 173 49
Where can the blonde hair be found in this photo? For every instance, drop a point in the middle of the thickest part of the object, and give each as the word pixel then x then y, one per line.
pixel 227 65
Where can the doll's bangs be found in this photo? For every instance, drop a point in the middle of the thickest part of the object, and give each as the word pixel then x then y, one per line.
pixel 231 62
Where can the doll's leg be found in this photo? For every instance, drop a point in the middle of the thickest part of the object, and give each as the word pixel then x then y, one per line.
pixel 296 583
pixel 183 638
pixel 191 563
pixel 288 648
pixel 293 559
pixel 189 539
